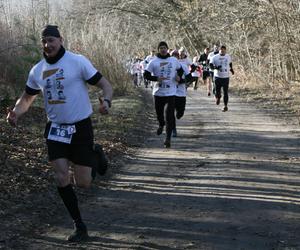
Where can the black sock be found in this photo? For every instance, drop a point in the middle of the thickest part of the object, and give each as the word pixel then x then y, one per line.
pixel 70 200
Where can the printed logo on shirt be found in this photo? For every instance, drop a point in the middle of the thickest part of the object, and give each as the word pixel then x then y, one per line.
pixel 60 75
pixel 165 74
pixel 49 73
pixel 54 86
pixel 163 64
pixel 165 70
pixel 223 63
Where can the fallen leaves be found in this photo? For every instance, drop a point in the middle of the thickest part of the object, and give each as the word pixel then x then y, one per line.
pixel 27 191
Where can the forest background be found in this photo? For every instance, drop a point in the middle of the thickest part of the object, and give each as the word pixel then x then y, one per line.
pixel 261 35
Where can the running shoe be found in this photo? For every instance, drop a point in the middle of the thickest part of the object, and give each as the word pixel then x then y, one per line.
pixel 218 100
pixel 167 143
pixel 80 233
pixel 159 130
pixel 102 162
pixel 225 109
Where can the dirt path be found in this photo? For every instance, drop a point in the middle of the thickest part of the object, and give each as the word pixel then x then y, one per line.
pixel 230 181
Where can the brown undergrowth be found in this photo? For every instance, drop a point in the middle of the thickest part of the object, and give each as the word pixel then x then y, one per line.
pixel 280 98
pixel 28 197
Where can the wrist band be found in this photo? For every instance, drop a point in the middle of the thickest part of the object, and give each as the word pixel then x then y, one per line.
pixel 108 101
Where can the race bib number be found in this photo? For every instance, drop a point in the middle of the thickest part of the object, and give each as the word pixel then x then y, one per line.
pixel 61 133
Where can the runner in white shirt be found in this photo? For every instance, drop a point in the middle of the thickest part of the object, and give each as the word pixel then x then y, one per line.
pixel 203 61
pixel 184 59
pixel 166 72
pixel 211 71
pixel 150 57
pixel 62 76
pixel 135 71
pixel 143 67
pixel 147 60
pixel 180 98
pixel 221 63
pixel 196 72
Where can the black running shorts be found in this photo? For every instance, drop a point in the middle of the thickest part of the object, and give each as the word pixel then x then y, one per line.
pixel 80 151
pixel 205 75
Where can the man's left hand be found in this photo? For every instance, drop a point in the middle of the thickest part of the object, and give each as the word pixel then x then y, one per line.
pixel 104 107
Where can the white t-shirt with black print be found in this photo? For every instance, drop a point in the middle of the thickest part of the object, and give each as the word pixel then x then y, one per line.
pixel 223 61
pixel 181 88
pixel 64 87
pixel 149 58
pixel 135 68
pixel 209 58
pixel 187 61
pixel 196 72
pixel 166 68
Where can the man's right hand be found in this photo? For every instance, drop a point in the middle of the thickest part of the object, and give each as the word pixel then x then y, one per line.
pixel 177 78
pixel 11 117
pixel 161 79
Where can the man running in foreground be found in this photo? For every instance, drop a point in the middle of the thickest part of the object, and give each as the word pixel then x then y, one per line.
pixel 61 77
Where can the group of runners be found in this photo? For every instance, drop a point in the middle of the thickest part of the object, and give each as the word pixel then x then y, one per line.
pixel 172 72
pixel 62 77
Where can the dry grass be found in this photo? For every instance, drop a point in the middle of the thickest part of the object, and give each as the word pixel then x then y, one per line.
pixel 268 66
pixel 282 98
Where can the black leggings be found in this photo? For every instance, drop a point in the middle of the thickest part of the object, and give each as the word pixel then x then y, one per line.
pixel 195 80
pixel 222 83
pixel 165 105
pixel 180 106
pixel 180 102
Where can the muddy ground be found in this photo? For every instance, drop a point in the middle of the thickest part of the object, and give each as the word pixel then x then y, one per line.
pixel 230 181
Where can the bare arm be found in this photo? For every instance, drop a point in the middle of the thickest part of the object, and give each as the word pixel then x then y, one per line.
pixel 22 105
pixel 104 84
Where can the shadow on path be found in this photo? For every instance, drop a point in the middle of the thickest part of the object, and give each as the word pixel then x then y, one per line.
pixel 230 181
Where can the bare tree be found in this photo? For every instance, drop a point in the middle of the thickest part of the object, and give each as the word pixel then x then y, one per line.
pixel 262 35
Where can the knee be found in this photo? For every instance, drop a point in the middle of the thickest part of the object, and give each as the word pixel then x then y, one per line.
pixel 62 179
pixel 83 183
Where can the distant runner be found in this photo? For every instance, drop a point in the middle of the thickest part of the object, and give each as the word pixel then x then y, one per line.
pixel 180 99
pixel 204 62
pixel 221 63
